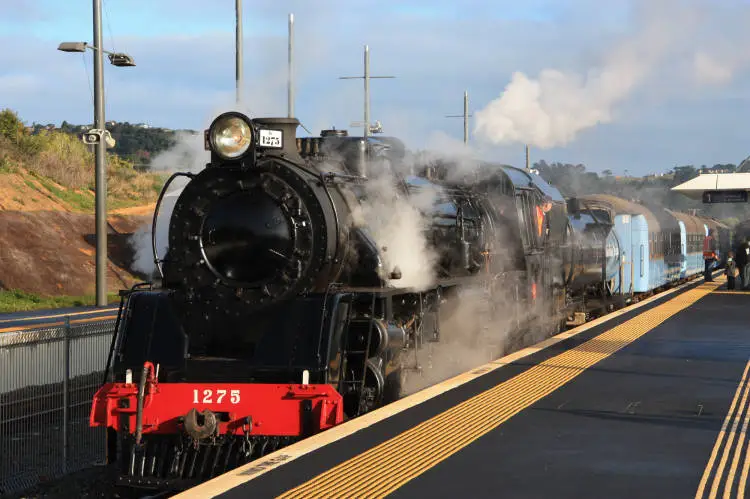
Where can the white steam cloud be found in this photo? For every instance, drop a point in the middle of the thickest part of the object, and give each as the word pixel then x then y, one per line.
pixel 397 225
pixel 187 155
pixel 552 109
pixel 140 241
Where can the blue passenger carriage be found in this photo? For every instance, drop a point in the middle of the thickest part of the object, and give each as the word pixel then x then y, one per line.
pixel 665 249
pixel 692 232
pixel 632 225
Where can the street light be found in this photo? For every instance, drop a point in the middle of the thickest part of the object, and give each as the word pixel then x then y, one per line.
pixel 98 137
pixel 116 58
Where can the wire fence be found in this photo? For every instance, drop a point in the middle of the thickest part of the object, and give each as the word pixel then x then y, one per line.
pixel 48 378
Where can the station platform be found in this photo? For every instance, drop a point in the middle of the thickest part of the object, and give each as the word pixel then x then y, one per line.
pixel 650 401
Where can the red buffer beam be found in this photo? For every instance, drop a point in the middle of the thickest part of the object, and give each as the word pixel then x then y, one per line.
pixel 206 409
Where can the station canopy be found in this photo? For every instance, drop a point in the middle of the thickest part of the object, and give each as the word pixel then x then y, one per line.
pixel 719 187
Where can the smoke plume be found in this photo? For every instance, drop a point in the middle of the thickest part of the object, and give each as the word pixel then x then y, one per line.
pixel 551 110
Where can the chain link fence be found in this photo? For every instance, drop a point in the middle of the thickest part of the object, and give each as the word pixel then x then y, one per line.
pixel 48 378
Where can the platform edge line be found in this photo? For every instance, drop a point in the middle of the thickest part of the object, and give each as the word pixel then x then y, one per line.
pixel 719 476
pixel 737 453
pixel 720 437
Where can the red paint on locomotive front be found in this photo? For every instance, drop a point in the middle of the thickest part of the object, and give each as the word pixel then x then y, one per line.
pixel 240 408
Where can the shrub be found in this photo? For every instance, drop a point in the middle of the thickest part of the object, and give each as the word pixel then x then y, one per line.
pixel 11 127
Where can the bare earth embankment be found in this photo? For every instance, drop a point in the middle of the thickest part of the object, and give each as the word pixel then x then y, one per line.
pixel 48 248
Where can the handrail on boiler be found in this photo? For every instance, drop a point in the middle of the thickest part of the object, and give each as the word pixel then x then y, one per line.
pixel 156 216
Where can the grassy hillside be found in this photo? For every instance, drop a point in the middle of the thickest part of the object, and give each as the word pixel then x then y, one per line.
pixel 57 166
pixel 47 217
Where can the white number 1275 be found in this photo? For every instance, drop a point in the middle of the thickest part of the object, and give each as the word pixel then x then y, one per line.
pixel 208 396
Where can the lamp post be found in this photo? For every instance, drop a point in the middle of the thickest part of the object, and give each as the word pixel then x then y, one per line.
pixel 99 137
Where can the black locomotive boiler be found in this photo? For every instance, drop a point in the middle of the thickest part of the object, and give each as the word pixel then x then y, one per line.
pixel 278 314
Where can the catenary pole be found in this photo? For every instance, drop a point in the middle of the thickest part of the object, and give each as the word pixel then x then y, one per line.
pixel 238 49
pixel 290 84
pixel 465 116
pixel 367 77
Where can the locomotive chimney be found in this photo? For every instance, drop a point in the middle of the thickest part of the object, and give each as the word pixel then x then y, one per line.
pixel 288 128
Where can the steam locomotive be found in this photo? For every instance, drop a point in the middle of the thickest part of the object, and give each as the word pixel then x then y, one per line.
pixel 279 310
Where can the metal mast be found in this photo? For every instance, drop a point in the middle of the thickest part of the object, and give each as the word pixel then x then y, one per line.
pixel 465 116
pixel 290 84
pixel 366 77
pixel 238 49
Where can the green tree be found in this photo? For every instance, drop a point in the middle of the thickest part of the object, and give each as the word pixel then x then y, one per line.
pixel 11 127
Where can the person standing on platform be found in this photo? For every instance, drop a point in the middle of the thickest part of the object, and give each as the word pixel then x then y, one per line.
pixel 743 263
pixel 741 260
pixel 731 270
pixel 709 254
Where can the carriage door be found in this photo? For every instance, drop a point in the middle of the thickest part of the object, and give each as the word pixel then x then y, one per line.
pixel 683 247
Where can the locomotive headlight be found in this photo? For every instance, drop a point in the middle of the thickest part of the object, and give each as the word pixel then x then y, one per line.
pixel 230 136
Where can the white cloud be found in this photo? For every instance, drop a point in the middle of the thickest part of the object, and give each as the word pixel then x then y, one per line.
pixel 710 70
pixel 552 109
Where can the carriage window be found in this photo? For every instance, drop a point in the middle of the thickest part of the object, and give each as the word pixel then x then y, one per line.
pixel 523 221
pixel 527 216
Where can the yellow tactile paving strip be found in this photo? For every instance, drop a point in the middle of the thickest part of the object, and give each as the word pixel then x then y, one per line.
pixel 728 473
pixel 386 467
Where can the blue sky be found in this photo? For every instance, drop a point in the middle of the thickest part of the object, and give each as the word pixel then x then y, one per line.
pixel 627 96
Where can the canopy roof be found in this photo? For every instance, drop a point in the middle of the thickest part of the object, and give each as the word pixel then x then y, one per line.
pixel 694 188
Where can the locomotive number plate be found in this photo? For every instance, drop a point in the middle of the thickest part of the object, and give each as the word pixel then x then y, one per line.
pixel 209 396
pixel 270 138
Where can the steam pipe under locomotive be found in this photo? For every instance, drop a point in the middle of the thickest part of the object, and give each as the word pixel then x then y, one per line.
pixel 281 311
